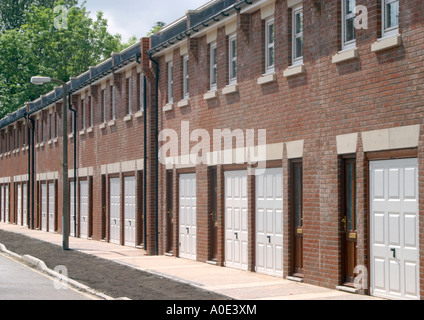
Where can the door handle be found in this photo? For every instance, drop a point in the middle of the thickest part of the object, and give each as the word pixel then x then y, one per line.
pixel 188 230
pixel 344 223
pixel 236 233
pixel 394 252
pixel 269 239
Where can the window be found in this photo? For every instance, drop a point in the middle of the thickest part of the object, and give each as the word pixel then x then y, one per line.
pixel 91 113
pixel 104 110
pixel 82 114
pixel 141 92
pixel 170 82
pixel 348 24
pixel 186 76
pixel 269 46
pixel 297 41
pixel 233 60
pixel 213 67
pixel 112 102
pixel 129 96
pixel 390 17
pixel 349 194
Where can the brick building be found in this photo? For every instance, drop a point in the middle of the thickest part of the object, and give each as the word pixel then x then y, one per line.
pixel 270 136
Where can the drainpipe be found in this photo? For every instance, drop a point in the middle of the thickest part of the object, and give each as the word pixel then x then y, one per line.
pixel 145 166
pixel 31 172
pixel 75 161
pixel 156 150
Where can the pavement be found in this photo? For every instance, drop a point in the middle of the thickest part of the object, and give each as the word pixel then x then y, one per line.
pixel 235 284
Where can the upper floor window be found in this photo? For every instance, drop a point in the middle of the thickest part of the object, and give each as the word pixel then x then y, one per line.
pixel 141 91
pixel 269 46
pixel 233 59
pixel 113 102
pixel 213 67
pixel 297 37
pixel 129 96
pixel 104 110
pixel 348 24
pixel 91 112
pixel 82 114
pixel 390 17
pixel 170 82
pixel 186 76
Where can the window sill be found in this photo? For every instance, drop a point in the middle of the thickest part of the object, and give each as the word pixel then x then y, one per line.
pixel 231 88
pixel 82 132
pixel 42 145
pixel 267 78
pixel 128 118
pixel 386 43
pixel 90 130
pixel 55 140
pixel 50 142
pixel 111 123
pixel 139 114
pixel 345 55
pixel 212 94
pixel 294 70
pixel 183 103
pixel 168 107
pixel 70 136
pixel 102 126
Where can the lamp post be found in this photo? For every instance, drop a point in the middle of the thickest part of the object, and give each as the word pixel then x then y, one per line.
pixel 65 183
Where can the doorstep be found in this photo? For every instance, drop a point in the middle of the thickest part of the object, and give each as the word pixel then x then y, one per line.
pixel 296 279
pixel 347 289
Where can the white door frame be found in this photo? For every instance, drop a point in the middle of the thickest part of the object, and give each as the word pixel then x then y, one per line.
pixel 188 216
pixel 269 222
pixel 394 229
pixel 236 220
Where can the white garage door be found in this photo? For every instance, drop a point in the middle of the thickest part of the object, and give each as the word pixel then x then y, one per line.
pixel 394 228
pixel 6 203
pixel 188 224
pixel 84 209
pixel 129 211
pixel 3 214
pixel 19 205
pixel 72 209
pixel 51 207
pixel 236 232
pixel 115 211
pixel 24 205
pixel 269 222
pixel 44 207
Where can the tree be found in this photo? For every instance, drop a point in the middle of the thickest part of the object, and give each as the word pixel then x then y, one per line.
pixel 12 12
pixel 38 48
pixel 156 27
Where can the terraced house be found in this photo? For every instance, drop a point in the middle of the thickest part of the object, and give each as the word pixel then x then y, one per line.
pixel 275 136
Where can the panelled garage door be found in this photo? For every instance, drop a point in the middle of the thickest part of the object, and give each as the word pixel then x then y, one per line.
pixel 187 217
pixel 115 211
pixel 236 232
pixel 84 206
pixel 72 209
pixel 129 211
pixel 394 233
pixel 269 222
pixel 6 204
pixel 19 205
pixel 52 213
pixel 44 207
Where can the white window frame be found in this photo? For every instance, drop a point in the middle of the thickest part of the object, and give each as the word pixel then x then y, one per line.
pixel 387 32
pixel 213 68
pixel 170 82
pixel 351 43
pixel 296 60
pixel 83 114
pixel 186 78
pixel 113 102
pixel 104 107
pixel 129 96
pixel 269 68
pixel 141 92
pixel 232 59
pixel 91 111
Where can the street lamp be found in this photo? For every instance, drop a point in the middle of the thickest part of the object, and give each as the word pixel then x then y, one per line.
pixel 65 185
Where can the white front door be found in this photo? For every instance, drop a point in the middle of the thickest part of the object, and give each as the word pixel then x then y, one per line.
pixel 44 207
pixel 72 209
pixel 236 232
pixel 394 232
pixel 129 211
pixel 51 207
pixel 115 211
pixel 19 205
pixel 187 213
pixel 84 209
pixel 25 204
pixel 269 222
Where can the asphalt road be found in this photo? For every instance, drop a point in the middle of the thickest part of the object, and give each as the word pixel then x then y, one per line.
pixel 18 282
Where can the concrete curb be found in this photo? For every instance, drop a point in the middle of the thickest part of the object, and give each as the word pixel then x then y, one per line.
pixel 41 266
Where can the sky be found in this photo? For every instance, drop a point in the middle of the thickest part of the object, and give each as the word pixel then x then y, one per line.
pixel 136 17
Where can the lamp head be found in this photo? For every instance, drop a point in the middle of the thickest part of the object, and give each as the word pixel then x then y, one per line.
pixel 40 80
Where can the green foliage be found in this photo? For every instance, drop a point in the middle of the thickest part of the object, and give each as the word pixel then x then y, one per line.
pixel 37 47
pixel 156 27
